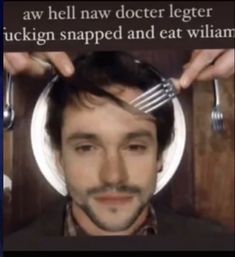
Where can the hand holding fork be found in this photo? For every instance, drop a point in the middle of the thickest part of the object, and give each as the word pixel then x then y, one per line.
pixel 165 91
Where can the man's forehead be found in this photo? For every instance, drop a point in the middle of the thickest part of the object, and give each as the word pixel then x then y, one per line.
pixel 124 93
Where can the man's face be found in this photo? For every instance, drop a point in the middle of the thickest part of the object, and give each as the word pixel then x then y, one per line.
pixel 109 157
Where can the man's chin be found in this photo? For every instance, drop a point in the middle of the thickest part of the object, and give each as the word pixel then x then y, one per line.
pixel 117 223
pixel 114 227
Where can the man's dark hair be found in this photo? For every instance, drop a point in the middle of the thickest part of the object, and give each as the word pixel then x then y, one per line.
pixel 95 71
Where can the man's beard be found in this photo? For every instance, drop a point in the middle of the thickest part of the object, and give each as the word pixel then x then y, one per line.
pixel 143 200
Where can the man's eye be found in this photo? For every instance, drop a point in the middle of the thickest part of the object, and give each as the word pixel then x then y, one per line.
pixel 136 147
pixel 84 148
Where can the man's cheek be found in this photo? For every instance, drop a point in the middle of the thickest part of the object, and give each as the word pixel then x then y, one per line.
pixel 142 169
pixel 78 195
pixel 80 177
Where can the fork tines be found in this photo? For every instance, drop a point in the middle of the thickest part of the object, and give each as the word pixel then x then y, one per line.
pixel 155 97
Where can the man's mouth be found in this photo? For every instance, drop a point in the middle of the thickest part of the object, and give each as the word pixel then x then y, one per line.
pixel 114 199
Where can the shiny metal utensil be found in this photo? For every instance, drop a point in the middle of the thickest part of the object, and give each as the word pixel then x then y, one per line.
pixel 8 111
pixel 217 120
pixel 155 97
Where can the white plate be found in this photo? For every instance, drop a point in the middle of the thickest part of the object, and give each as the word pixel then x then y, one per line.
pixel 45 158
pixel 7 182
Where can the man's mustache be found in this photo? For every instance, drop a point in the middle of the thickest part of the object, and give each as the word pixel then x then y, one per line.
pixel 116 189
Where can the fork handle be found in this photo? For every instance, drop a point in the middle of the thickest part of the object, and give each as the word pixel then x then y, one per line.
pixel 9 88
pixel 216 92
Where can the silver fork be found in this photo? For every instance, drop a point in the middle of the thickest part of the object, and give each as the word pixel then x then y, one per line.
pixel 217 120
pixel 155 97
pixel 8 111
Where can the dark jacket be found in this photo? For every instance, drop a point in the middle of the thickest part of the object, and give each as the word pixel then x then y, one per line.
pixel 175 232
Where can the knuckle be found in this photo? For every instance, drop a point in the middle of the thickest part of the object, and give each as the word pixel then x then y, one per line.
pixel 21 66
pixel 208 56
pixel 56 55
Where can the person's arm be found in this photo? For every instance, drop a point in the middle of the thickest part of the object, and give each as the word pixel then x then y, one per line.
pixel 36 64
pixel 207 64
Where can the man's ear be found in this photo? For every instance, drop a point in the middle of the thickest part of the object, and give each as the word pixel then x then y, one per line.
pixel 59 162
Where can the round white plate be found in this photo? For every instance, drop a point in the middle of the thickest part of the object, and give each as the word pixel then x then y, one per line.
pixel 45 157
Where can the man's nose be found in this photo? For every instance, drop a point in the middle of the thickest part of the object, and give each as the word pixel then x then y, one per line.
pixel 113 171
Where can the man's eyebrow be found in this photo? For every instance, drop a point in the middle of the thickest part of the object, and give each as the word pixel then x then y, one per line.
pixel 81 135
pixel 149 118
pixel 138 134
pixel 136 112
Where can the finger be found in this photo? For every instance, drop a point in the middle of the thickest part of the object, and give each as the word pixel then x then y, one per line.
pixel 176 84
pixel 186 65
pixel 195 53
pixel 223 67
pixel 197 64
pixel 7 66
pixel 193 56
pixel 15 61
pixel 207 74
pixel 45 64
pixel 62 62
pixel 22 63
